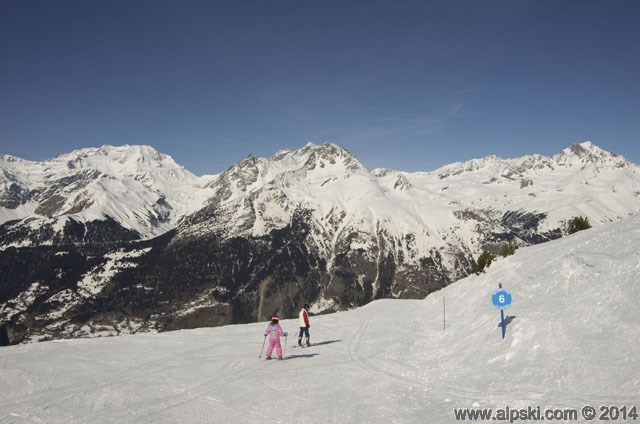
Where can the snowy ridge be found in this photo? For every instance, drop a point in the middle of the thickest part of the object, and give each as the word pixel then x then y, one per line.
pixel 260 194
pixel 573 339
pixel 138 187
pixel 146 191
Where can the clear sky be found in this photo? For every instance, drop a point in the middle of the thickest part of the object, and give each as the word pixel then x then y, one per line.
pixel 410 85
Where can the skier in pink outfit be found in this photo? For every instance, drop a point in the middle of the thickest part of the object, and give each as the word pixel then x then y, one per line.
pixel 274 331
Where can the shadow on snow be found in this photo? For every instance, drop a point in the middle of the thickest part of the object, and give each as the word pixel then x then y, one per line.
pixel 326 342
pixel 308 355
pixel 507 321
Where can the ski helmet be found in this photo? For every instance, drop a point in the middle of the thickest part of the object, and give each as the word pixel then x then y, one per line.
pixel 306 306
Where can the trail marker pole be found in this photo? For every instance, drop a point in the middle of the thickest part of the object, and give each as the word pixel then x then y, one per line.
pixel 501 299
pixel 444 314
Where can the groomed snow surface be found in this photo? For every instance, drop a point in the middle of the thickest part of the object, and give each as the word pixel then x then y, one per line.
pixel 573 340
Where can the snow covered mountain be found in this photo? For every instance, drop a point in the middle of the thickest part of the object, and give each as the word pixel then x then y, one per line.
pixel 572 340
pixel 137 190
pixel 269 234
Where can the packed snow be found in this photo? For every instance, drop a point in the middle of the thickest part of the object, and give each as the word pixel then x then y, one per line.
pixel 572 339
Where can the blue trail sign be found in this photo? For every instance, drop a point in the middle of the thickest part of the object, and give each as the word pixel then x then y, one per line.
pixel 501 299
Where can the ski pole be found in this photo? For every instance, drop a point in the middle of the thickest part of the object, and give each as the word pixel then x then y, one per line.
pixel 261 349
pixel 285 347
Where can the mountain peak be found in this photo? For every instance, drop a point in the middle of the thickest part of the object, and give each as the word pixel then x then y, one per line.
pixel 584 149
pixel 324 147
pixel 119 160
pixel 138 187
pixel 328 154
pixel 587 152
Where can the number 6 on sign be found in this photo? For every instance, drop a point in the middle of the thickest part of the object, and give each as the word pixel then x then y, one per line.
pixel 501 299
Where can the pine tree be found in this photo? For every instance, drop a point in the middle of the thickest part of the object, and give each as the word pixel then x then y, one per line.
pixel 508 249
pixel 484 261
pixel 578 223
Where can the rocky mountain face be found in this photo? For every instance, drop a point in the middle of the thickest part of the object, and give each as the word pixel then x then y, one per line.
pixel 121 239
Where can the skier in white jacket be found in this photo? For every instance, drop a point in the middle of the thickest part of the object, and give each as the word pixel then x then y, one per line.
pixel 304 325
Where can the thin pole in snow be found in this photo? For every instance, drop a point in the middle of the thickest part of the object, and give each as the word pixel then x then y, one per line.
pixel 444 313
pixel 262 348
pixel 502 315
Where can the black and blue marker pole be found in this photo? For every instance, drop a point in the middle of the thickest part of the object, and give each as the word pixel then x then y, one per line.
pixel 501 300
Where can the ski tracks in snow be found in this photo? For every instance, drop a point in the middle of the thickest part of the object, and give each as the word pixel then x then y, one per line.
pixel 355 353
pixel 163 396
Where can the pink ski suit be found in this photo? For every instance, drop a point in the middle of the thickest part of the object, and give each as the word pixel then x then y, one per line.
pixel 274 331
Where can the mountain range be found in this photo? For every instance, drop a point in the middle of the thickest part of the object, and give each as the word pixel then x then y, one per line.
pixel 115 240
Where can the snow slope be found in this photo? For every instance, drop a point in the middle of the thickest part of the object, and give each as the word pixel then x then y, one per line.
pixel 573 340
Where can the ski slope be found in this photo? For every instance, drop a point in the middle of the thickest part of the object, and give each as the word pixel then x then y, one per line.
pixel 573 340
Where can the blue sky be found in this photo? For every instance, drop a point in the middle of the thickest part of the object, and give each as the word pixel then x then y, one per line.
pixel 410 85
